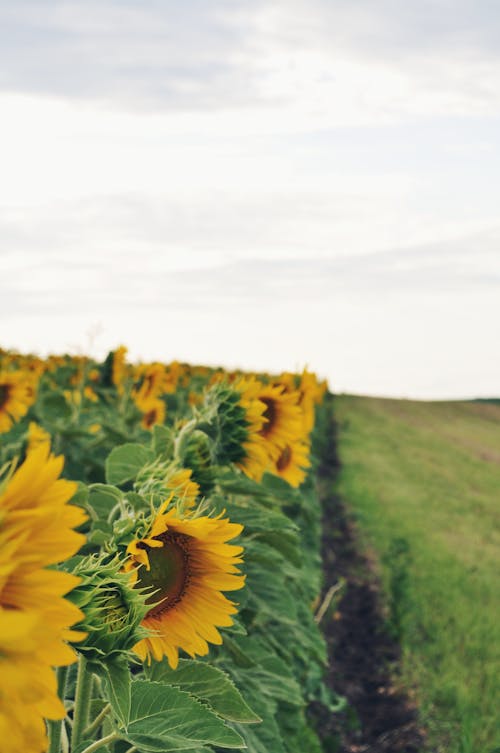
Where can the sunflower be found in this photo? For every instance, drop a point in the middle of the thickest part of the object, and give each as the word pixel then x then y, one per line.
pixel 152 381
pixel 119 368
pixel 30 684
pixel 241 420
pixel 311 393
pixel 37 436
pixel 154 413
pixel 282 418
pixel 16 396
pixel 292 462
pixel 187 564
pixel 36 531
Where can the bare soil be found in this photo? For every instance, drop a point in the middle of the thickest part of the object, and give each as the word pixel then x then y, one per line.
pixel 380 717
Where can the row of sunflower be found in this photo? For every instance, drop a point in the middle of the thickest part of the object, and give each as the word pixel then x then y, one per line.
pixel 129 496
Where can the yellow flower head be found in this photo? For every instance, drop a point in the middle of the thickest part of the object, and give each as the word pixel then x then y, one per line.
pixel 119 368
pixel 282 418
pixel 37 436
pixel 154 413
pixel 292 463
pixel 36 531
pixel 16 396
pixel 187 563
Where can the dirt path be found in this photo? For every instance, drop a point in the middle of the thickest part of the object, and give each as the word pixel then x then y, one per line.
pixel 380 717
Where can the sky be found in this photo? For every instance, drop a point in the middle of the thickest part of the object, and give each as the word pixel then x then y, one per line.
pixel 264 184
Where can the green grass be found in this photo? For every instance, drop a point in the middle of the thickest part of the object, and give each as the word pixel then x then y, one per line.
pixel 423 481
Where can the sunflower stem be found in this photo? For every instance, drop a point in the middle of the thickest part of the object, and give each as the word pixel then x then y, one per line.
pixel 54 727
pixel 97 721
pixel 99 743
pixel 64 739
pixel 83 697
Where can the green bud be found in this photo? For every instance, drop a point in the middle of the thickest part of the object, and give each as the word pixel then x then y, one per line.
pixel 113 608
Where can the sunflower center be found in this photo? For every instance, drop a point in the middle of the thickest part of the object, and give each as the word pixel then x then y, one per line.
pixel 4 394
pixel 284 459
pixel 149 418
pixel 270 413
pixel 169 573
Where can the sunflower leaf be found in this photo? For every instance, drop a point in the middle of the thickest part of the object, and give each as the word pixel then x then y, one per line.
pixel 123 463
pixel 54 407
pixel 163 440
pixel 209 684
pixel 102 499
pixel 164 719
pixel 117 684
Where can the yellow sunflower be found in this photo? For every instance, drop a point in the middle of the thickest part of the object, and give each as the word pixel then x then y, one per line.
pixel 119 368
pixel 255 459
pixel 16 396
pixel 311 393
pixel 292 463
pixel 152 383
pixel 37 436
pixel 154 413
pixel 36 531
pixel 282 418
pixel 188 563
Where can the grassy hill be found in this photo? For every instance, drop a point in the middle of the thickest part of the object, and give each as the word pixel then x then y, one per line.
pixel 423 481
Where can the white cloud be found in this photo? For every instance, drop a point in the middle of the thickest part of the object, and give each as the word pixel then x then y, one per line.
pixel 263 184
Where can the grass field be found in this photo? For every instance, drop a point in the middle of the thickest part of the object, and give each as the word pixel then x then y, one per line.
pixel 423 480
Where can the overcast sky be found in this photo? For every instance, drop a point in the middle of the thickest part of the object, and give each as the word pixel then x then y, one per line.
pixel 258 184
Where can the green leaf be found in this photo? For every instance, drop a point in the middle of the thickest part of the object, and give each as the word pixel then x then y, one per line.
pixel 163 719
pixel 209 684
pixel 80 497
pixel 102 499
pixel 286 544
pixel 265 737
pixel 163 440
pixel 81 746
pixel 137 501
pixel 117 685
pixel 279 487
pixel 124 462
pixel 54 407
pixel 270 674
pixel 100 533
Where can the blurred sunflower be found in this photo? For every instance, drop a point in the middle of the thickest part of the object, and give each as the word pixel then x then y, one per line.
pixel 119 368
pixel 151 383
pixel 37 436
pixel 36 531
pixel 292 463
pixel 282 418
pixel 16 396
pixel 187 563
pixel 154 413
pixel 237 416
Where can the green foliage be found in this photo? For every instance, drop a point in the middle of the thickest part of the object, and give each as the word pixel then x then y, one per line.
pixel 251 691
pixel 117 685
pixel 427 474
pixel 397 560
pixel 124 462
pixel 163 718
pixel 208 684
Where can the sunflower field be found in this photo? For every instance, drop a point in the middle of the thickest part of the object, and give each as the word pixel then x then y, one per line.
pixel 160 572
